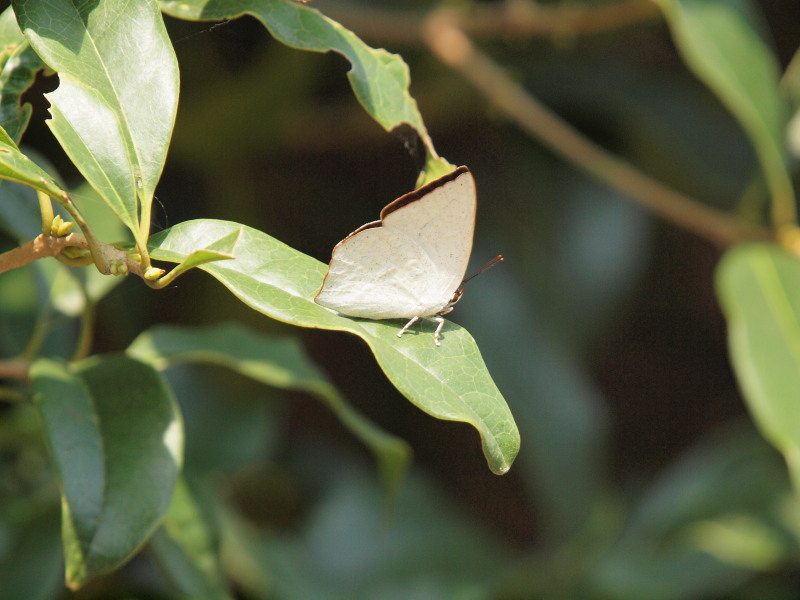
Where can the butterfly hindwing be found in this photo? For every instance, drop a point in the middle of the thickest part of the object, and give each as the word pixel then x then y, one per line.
pixel 377 274
pixel 411 262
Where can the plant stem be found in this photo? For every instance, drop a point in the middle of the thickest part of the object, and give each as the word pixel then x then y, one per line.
pixel 44 246
pixel 84 345
pixel 455 49
pixel 45 211
pixel 14 369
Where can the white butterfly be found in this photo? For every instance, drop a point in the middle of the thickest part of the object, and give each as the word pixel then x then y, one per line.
pixel 410 263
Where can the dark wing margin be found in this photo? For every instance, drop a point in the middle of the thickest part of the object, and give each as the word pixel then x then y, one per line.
pixel 421 192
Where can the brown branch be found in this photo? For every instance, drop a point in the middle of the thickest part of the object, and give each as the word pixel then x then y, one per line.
pixel 44 246
pixel 40 247
pixel 14 369
pixel 456 50
pixel 512 19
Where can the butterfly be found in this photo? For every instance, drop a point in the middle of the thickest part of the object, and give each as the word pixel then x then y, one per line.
pixel 410 264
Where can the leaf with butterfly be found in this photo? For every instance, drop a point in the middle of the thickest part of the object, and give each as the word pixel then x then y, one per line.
pixel 450 382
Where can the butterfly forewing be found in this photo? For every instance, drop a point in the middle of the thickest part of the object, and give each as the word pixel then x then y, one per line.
pixel 440 219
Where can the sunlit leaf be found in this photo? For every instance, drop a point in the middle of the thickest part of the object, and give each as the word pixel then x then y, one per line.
pixel 791 85
pixel 759 289
pixel 116 441
pixel 448 382
pixel 720 42
pixel 15 166
pixel 115 106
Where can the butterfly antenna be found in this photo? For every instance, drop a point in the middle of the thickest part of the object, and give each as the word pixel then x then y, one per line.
pixel 486 267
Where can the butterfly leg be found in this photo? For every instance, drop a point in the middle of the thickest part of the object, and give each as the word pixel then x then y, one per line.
pixel 409 324
pixel 436 333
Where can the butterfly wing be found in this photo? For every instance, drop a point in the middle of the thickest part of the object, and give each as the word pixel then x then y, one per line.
pixel 440 218
pixel 377 274
pixel 411 262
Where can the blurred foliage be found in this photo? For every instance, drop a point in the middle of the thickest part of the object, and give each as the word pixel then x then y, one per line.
pixel 640 474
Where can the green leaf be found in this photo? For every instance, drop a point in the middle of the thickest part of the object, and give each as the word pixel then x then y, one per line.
pixel 15 166
pixel 380 80
pixel 30 556
pixel 348 549
pixel 115 107
pixel 681 541
pixel 449 382
pixel 18 67
pixel 791 84
pixel 91 135
pixel 275 361
pixel 720 44
pixel 19 212
pixel 184 549
pixel 116 441
pixel 759 288
pixel 221 249
pixel 107 227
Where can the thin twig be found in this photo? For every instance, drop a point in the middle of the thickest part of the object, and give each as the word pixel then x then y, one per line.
pixel 14 369
pixel 512 19
pixel 84 345
pixel 44 246
pixel 456 50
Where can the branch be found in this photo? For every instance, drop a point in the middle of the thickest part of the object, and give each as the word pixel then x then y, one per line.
pixel 44 246
pixel 452 46
pixel 512 19
pixel 14 369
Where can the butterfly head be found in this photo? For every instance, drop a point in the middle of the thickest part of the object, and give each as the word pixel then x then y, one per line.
pixel 456 297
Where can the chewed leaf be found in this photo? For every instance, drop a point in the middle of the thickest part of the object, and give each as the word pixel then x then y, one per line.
pixel 379 79
pixel 449 382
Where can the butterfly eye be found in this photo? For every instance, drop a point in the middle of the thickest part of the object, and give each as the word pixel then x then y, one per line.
pixel 456 297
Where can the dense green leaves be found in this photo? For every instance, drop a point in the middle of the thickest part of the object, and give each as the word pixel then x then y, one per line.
pixel 275 361
pixel 758 286
pixel 379 79
pixel 116 441
pixel 705 527
pixel 719 41
pixel 109 57
pixel 449 382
